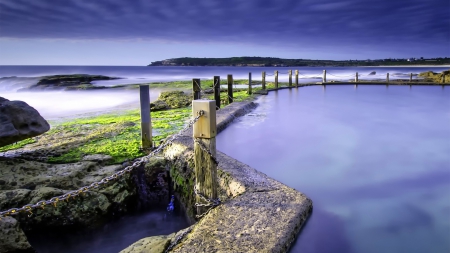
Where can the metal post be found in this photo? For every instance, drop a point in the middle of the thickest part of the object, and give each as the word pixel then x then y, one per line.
pixel 290 78
pixel 324 79
pixel 204 132
pixel 276 79
pixel 296 78
pixel 217 90
pixel 146 123
pixel 249 83
pixel 196 88
pixel 230 88
pixel 356 77
pixel 264 80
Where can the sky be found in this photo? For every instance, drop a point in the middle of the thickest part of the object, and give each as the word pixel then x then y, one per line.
pixel 138 32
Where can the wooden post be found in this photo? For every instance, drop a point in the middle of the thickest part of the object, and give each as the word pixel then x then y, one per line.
pixel 249 83
pixel 290 78
pixel 324 79
pixel 276 79
pixel 230 88
pixel 296 78
pixel 387 77
pixel 217 90
pixel 410 77
pixel 146 123
pixel 204 132
pixel 264 80
pixel 356 77
pixel 196 88
pixel 443 78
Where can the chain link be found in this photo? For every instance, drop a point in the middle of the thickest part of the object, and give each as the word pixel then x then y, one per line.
pixel 72 194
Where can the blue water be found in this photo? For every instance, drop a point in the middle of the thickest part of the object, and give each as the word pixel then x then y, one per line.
pixel 375 160
pixel 54 105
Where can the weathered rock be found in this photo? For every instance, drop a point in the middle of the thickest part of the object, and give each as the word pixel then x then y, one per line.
pixel 372 73
pixel 159 105
pixel 19 121
pixel 103 159
pixel 12 238
pixel 175 99
pixel 153 244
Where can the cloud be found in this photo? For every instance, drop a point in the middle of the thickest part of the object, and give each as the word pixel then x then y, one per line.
pixel 264 22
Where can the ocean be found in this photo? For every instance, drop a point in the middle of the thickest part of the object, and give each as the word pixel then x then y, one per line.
pixel 54 105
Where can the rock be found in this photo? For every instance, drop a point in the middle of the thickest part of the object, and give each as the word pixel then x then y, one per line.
pixel 12 238
pixel 261 92
pixel 372 73
pixel 19 121
pixel 102 159
pixel 175 99
pixel 153 244
pixel 159 105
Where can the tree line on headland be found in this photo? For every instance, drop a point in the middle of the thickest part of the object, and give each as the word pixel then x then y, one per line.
pixel 278 62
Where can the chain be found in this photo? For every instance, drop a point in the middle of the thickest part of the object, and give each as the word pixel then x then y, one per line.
pixel 211 203
pixel 72 194
pixel 178 239
pixel 202 147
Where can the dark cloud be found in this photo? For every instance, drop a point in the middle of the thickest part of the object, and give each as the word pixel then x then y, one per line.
pixel 284 22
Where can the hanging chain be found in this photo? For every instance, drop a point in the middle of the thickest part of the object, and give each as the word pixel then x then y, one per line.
pixel 72 194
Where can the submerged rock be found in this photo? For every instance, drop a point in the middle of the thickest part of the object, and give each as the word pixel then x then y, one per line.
pixel 19 121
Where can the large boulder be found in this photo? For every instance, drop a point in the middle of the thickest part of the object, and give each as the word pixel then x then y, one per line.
pixel 19 121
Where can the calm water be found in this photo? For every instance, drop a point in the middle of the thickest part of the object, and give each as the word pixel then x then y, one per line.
pixel 113 237
pixel 56 104
pixel 374 160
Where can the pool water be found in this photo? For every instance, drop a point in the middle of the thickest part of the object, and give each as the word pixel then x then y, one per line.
pixel 374 159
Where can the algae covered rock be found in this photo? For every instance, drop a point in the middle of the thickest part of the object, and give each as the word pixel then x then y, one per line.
pixel 12 238
pixel 19 121
pixel 171 100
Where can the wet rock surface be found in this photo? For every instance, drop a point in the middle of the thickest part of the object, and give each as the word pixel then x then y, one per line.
pixel 19 121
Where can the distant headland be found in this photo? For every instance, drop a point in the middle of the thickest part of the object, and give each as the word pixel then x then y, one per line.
pixel 278 62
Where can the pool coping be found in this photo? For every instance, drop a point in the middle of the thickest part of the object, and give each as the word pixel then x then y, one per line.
pixel 258 213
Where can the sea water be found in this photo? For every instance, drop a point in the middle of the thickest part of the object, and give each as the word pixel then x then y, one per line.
pixel 58 104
